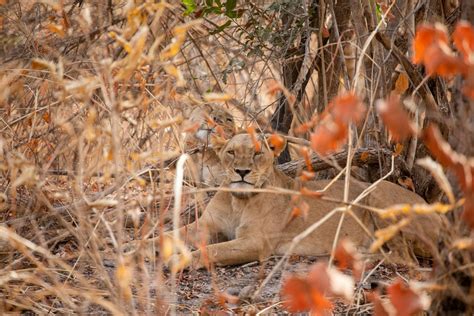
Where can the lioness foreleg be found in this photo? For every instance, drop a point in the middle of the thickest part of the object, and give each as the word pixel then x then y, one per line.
pixel 236 251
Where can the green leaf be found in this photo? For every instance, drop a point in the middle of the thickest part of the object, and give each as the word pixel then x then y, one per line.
pixel 378 12
pixel 230 5
pixel 220 28
pixel 190 6
pixel 230 8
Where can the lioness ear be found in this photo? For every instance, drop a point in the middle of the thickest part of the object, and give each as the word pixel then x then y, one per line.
pixel 277 143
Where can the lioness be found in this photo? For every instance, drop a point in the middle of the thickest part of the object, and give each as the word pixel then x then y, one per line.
pixel 210 120
pixel 240 226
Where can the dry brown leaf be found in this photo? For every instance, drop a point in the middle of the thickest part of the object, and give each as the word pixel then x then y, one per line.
pixel 402 83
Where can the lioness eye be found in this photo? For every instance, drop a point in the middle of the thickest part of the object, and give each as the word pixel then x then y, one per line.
pixel 230 152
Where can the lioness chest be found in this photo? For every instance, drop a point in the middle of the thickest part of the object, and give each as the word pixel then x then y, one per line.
pixel 263 214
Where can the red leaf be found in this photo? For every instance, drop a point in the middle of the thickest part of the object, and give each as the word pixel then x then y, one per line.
pixel 309 193
pixel 296 293
pixel 305 127
pixel 448 158
pixel 277 142
pixel 406 301
pixel 462 167
pixel 300 211
pixel 395 119
pixel 426 36
pixel 331 133
pixel 463 37
pixel 441 61
pixel 304 151
pixel 431 48
pixel 468 212
pixel 438 147
pixel 347 257
pixel 346 108
pixel 379 308
pixel 223 298
pixel 328 137
pixel 308 294
pixel 307 175
pixel 313 292
pixel 318 277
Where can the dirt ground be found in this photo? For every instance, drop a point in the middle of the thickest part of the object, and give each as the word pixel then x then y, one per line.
pixel 206 292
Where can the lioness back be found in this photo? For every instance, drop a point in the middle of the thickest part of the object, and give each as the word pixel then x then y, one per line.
pixel 384 195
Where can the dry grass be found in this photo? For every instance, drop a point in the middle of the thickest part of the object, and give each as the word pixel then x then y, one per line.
pixel 93 103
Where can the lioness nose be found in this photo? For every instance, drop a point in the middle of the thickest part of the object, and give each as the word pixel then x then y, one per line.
pixel 242 172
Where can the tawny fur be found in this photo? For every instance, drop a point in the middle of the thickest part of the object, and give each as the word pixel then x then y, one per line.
pixel 205 168
pixel 240 227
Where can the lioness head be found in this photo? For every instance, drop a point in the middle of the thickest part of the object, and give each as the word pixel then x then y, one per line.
pixel 212 119
pixel 246 165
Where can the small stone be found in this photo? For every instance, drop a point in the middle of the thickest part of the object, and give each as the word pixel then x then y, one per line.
pixel 246 293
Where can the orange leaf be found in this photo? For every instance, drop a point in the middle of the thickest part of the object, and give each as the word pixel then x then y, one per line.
pixel 346 108
pixel 468 212
pixel 407 183
pixel 274 87
pixel 309 193
pixel 319 279
pixel 46 117
pixel 448 158
pixel 193 128
pixel 325 32
pixel 346 257
pixel 223 298
pixel 441 61
pixel 398 150
pixel 302 211
pixel 328 137
pixel 309 293
pixel 307 175
pixel 426 36
pixel 331 133
pixel 304 128
pixel 56 28
pixel 438 147
pixel 253 135
pixel 364 156
pixel 379 308
pixel 402 83
pixel 395 119
pixel 463 37
pixel 296 293
pixel 304 151
pixel 406 301
pixel 277 142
